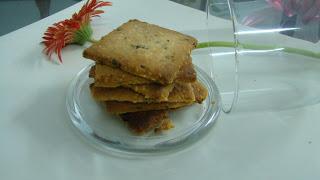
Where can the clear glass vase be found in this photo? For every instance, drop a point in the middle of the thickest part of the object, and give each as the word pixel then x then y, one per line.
pixel 266 56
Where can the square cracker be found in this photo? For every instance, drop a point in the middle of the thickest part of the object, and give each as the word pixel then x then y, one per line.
pixel 116 107
pixel 113 78
pixel 145 50
pixel 106 76
pixel 180 93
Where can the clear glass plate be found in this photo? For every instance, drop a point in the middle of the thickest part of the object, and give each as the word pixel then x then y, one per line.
pixel 109 132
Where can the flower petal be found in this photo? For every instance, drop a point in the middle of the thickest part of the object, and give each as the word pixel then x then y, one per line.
pixel 62 33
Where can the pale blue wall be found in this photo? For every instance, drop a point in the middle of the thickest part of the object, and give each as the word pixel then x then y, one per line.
pixel 15 14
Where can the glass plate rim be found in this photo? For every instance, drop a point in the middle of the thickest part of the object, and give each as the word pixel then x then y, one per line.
pixel 84 129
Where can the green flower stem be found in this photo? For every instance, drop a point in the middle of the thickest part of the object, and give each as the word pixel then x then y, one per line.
pixel 301 52
pixel 215 44
pixel 291 50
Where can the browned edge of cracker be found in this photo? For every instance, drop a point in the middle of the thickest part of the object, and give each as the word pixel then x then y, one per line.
pixel 116 107
pixel 200 91
pixel 145 121
pixel 180 93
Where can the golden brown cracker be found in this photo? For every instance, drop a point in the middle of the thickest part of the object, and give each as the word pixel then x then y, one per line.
pixel 153 91
pixel 187 73
pixel 180 93
pixel 199 91
pixel 125 107
pixel 145 50
pixel 116 94
pixel 106 76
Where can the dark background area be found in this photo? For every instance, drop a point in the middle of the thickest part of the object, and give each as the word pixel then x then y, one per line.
pixel 15 14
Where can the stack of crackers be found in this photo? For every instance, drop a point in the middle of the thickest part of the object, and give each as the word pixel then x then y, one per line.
pixel 142 71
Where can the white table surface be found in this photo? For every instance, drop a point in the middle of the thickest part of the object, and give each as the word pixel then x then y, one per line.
pixel 38 142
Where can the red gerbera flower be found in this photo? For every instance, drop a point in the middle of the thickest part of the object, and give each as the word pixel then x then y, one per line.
pixel 76 30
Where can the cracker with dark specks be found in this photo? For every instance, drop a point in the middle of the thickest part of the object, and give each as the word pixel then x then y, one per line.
pixel 111 77
pixel 145 50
